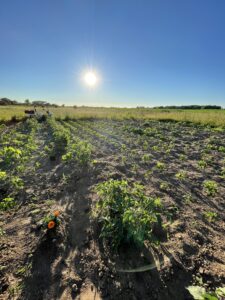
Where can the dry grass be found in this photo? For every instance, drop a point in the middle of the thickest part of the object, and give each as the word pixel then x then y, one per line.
pixel 212 117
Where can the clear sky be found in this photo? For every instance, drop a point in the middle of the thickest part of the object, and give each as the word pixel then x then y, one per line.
pixel 147 52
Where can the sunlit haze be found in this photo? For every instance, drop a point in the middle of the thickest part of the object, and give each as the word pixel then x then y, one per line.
pixel 90 79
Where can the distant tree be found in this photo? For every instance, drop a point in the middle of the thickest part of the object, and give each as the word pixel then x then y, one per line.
pixel 6 101
pixel 63 105
pixel 27 101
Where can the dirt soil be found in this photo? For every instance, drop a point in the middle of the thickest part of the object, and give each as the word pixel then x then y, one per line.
pixel 71 262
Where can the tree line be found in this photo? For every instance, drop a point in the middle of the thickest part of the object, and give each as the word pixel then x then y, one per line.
pixel 6 101
pixel 189 107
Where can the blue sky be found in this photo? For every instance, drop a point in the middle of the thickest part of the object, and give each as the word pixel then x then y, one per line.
pixel 148 52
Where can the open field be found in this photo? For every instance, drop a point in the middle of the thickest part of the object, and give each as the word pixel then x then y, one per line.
pixel 212 117
pixel 141 207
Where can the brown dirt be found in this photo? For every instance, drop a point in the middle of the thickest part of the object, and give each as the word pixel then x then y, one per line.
pixel 73 263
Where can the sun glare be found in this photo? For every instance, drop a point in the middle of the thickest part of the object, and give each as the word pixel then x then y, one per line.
pixel 90 79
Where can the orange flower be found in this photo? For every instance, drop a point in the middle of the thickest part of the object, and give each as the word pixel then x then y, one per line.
pixel 56 213
pixel 51 224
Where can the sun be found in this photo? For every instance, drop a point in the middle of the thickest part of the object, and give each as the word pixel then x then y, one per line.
pixel 90 79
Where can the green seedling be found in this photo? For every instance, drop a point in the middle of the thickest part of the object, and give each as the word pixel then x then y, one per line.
pixel 7 203
pixel 202 164
pixel 210 216
pixel 211 187
pixel 146 158
pixel 160 165
pixel 181 175
pixel 200 293
pixel 164 186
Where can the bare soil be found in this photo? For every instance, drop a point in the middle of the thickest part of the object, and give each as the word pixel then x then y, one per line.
pixel 71 262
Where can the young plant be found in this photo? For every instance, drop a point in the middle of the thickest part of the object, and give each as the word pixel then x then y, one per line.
pixel 146 158
pixel 164 186
pixel 160 165
pixel 200 293
pixel 126 213
pixel 210 187
pixel 210 216
pixel 79 151
pixel 181 175
pixel 7 203
pixel 202 164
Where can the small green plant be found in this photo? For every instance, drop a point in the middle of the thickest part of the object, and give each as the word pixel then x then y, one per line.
pixel 3 176
pixel 202 164
pixel 7 203
pixel 187 198
pixel 160 165
pixel 10 154
pixel 17 182
pixel 222 172
pixel 126 213
pixel 146 158
pixel 164 186
pixel 181 175
pixel 148 174
pixel 221 149
pixel 200 293
pixel 210 187
pixel 79 151
pixel 210 216
pixel 2 232
pixel 182 157
pixel 155 148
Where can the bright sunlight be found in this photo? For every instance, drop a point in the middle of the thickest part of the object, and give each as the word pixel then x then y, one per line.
pixel 91 79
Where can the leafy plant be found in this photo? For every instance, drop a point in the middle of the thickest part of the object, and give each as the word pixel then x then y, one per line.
pixel 126 213
pixel 79 151
pixel 200 293
pixel 7 203
pixel 164 186
pixel 181 175
pixel 160 165
pixel 211 187
pixel 187 198
pixel 10 154
pixel 202 164
pixel 146 158
pixel 210 216
pixel 17 182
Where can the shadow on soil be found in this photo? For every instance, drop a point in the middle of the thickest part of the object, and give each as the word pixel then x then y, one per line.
pixel 69 258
